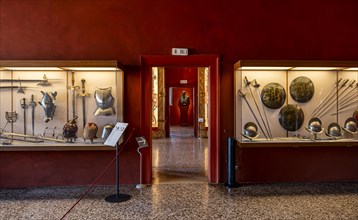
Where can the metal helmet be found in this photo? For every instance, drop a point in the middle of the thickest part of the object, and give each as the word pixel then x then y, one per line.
pixel 334 130
pixel 315 125
pixel 250 129
pixel 350 125
pixel 107 129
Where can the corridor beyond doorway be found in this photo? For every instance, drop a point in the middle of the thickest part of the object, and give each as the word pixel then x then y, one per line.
pixel 182 158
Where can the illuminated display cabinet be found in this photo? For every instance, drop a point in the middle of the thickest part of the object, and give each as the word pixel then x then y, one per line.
pixel 90 91
pixel 296 103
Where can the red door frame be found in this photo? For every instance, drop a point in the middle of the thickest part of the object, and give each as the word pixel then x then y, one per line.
pixel 210 61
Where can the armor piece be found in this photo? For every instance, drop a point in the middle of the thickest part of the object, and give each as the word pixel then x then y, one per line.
pixel 334 130
pixel 291 117
pixel 48 104
pixel 273 95
pixel 302 89
pixel 315 125
pixel 250 129
pixel 90 131
pixel 107 129
pixel 104 101
pixel 70 129
pixel 350 126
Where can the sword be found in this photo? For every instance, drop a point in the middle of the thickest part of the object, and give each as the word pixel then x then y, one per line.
pixel 247 84
pixel 73 88
pixel 243 96
pixel 331 104
pixel 336 84
pixel 24 106
pixel 32 104
pixel 83 94
pixel 257 86
pixel 333 96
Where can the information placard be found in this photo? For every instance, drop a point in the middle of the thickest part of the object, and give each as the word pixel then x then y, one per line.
pixel 142 142
pixel 116 134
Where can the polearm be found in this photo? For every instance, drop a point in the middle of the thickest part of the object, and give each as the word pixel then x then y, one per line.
pixel 326 104
pixel 348 96
pixel 83 94
pixel 32 104
pixel 257 86
pixel 247 84
pixel 331 104
pixel 243 96
pixel 73 88
pixel 41 82
pixel 343 110
pixel 336 84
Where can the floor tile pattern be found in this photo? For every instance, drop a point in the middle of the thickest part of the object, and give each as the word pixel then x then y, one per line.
pixel 187 201
pixel 180 158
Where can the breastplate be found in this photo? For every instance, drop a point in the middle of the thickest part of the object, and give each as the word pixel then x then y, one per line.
pixel 104 101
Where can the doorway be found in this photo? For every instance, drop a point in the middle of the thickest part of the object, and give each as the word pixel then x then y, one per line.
pixel 210 61
pixel 178 156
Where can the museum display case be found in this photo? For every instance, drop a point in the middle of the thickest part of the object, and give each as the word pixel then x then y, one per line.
pixel 60 105
pixel 296 103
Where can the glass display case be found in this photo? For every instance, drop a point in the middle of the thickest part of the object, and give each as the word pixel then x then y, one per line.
pixel 296 101
pixel 63 103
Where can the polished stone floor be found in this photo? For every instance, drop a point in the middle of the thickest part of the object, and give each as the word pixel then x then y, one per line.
pixel 181 191
pixel 186 201
pixel 180 158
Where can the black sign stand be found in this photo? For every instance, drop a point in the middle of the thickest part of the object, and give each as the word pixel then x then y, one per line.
pixel 117 198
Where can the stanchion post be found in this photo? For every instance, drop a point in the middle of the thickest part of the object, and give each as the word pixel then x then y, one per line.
pixel 231 154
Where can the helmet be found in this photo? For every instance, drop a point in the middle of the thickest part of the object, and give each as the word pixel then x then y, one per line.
pixel 107 129
pixel 250 129
pixel 315 125
pixel 334 130
pixel 350 125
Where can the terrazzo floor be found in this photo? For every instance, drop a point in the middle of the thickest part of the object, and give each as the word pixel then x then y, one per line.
pixel 187 201
pixel 181 191
pixel 180 158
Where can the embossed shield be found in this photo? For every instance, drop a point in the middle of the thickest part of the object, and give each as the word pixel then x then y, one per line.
pixel 302 89
pixel 291 117
pixel 273 95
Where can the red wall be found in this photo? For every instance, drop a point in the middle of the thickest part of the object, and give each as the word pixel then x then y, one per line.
pixel 124 30
pixel 173 75
pixel 174 110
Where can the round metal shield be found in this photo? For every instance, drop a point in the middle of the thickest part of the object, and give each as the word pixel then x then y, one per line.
pixel 302 89
pixel 334 130
pixel 291 117
pixel 273 95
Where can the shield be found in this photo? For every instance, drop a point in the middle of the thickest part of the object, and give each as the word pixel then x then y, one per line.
pixel 355 114
pixel 302 89
pixel 291 117
pixel 273 95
